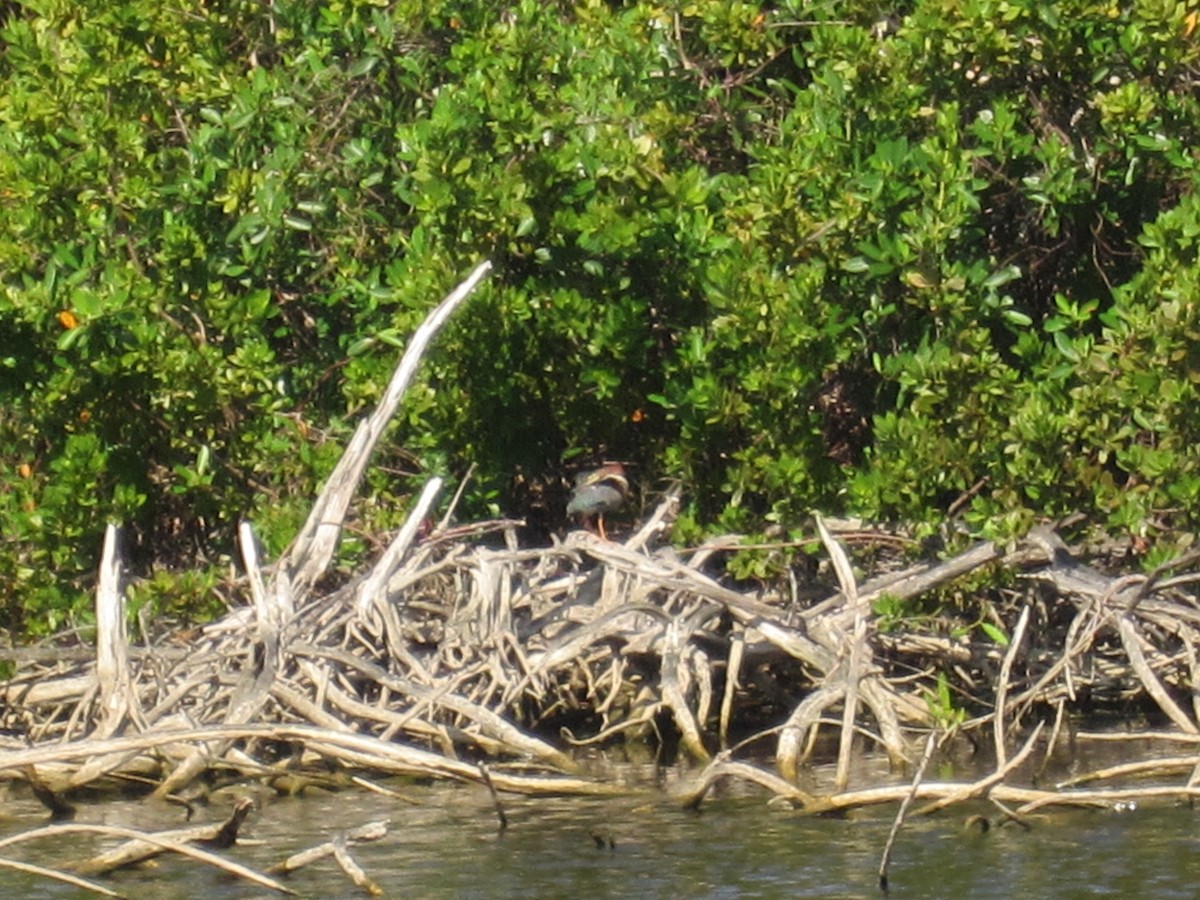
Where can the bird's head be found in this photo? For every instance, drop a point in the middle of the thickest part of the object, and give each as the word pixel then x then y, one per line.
pixel 612 473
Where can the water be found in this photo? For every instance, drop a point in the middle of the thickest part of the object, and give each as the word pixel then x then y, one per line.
pixel 445 843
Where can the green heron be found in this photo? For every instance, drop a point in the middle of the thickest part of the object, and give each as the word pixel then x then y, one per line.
pixel 598 492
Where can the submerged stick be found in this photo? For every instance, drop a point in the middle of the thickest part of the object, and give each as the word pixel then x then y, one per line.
pixel 372 831
pixel 59 807
pixel 501 815
pixel 984 785
pixel 55 875
pixel 370 752
pixel 219 836
pixel 885 860
pixel 57 831
pixel 723 766
pixel 354 871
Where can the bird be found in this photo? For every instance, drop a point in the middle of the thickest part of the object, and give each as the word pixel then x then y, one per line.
pixel 597 492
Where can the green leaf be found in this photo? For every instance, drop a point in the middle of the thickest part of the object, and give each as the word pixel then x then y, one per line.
pixel 1002 277
pixel 1016 317
pixel 994 633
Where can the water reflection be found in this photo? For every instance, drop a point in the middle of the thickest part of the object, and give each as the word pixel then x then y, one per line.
pixel 445 843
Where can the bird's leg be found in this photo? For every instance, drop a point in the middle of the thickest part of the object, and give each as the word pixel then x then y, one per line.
pixel 600 525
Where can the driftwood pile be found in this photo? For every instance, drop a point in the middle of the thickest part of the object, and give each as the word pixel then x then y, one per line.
pixel 461 655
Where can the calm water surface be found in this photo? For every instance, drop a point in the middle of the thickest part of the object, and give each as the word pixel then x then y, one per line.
pixel 444 843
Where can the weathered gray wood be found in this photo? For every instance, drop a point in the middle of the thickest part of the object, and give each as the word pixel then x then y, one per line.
pixel 112 661
pixel 313 548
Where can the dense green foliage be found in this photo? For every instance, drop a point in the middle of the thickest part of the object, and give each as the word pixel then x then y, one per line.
pixel 884 260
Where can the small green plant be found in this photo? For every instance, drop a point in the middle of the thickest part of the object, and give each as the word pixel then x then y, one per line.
pixel 890 613
pixel 940 703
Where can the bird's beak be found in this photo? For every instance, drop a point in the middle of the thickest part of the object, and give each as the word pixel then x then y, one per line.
pixel 592 478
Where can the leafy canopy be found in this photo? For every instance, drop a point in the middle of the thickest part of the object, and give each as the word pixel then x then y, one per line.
pixel 891 262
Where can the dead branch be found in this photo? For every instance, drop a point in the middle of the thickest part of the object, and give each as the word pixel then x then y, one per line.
pixel 162 844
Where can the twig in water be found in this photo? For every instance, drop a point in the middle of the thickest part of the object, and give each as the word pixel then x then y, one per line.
pixel 602 840
pixel 500 814
pixel 56 875
pixel 930 743
pixel 156 841
pixel 372 831
pixel 60 808
pixel 354 871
